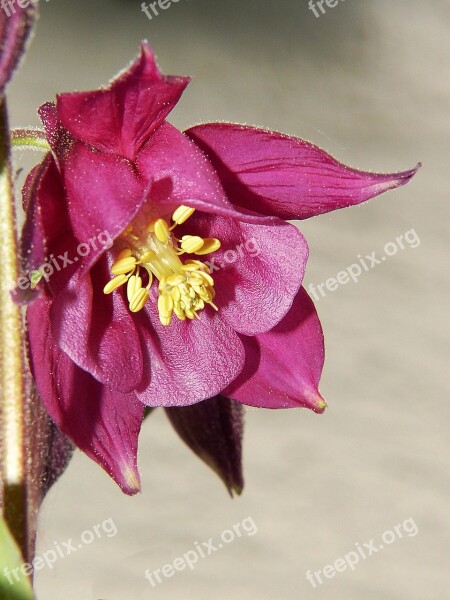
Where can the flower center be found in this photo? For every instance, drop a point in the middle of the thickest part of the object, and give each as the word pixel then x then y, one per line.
pixel 150 248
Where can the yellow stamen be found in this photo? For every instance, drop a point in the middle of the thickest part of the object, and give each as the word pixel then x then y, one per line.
pixel 209 245
pixel 182 214
pixel 191 243
pixel 134 285
pixel 124 265
pixel 175 279
pixel 114 284
pixel 139 299
pixel 165 309
pixel 184 289
pixel 162 230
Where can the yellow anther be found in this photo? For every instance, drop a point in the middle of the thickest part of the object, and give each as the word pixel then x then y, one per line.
pixel 134 285
pixel 182 214
pixel 206 277
pixel 161 229
pixel 165 309
pixel 183 289
pixel 139 299
pixel 114 284
pixel 165 304
pixel 191 243
pixel 179 312
pixel 196 280
pixel 176 294
pixel 175 279
pixel 189 267
pixel 209 245
pixel 195 265
pixel 123 265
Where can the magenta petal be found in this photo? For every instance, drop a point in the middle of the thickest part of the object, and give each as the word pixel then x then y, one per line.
pixel 104 424
pixel 103 200
pixel 103 192
pixel 33 240
pixel 188 361
pixel 15 27
pixel 257 271
pixel 182 175
pixel 60 139
pixel 98 332
pixel 274 174
pixel 283 367
pixel 120 118
pixel 213 429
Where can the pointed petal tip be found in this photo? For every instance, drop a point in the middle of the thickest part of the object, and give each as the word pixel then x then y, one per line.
pixel 405 176
pixel 316 402
pixel 237 488
pixel 321 405
pixel 395 180
pixel 129 479
pixel 234 486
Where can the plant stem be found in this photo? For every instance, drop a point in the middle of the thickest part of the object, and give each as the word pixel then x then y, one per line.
pixel 12 405
pixel 29 138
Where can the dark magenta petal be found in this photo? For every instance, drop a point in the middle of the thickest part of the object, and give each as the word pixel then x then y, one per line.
pixel 15 27
pixel 98 332
pixel 182 175
pixel 33 243
pixel 59 450
pixel 102 423
pixel 103 192
pixel 213 429
pixel 257 271
pixel 188 361
pixel 283 367
pixel 58 137
pixel 274 174
pixel 120 118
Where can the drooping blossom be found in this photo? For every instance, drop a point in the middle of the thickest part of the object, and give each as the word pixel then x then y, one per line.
pixel 163 271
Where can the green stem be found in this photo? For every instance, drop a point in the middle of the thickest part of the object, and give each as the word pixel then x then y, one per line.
pixel 29 138
pixel 12 388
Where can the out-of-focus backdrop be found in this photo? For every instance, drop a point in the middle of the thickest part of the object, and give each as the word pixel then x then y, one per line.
pixel 370 82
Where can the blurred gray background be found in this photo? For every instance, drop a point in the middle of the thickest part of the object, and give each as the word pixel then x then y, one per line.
pixel 370 82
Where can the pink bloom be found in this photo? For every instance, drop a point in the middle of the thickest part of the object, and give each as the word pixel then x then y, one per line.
pixel 199 292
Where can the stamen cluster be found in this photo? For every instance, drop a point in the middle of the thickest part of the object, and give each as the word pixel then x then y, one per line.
pixel 184 288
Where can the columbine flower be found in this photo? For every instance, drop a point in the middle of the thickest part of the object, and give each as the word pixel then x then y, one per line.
pixel 199 292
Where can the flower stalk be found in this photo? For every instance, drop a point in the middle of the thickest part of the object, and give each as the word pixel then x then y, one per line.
pixel 29 138
pixel 12 405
